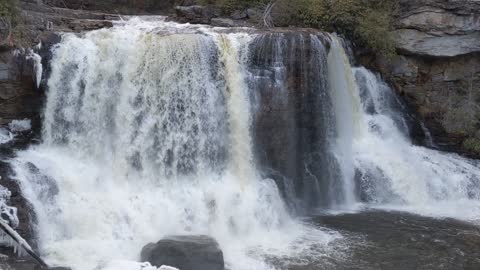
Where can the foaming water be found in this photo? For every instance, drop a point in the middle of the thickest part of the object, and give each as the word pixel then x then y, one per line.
pixel 346 100
pixel 380 166
pixel 146 134
pixel 394 174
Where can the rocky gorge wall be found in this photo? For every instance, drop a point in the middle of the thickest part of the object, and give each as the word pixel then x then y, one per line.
pixel 437 69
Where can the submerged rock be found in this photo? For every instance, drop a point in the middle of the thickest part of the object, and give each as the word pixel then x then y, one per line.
pixel 193 252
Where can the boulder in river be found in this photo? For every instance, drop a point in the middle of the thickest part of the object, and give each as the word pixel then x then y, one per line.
pixel 193 252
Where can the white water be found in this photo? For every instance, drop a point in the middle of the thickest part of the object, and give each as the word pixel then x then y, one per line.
pixel 20 125
pixel 346 102
pixel 6 136
pixel 400 176
pixel 147 134
pixel 372 138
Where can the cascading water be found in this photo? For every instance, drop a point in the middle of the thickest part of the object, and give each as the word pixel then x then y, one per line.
pixel 294 119
pixel 146 134
pixel 390 172
pixel 393 173
pixel 346 100
pixel 156 128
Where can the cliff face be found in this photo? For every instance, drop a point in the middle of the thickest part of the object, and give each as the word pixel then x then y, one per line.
pixel 438 68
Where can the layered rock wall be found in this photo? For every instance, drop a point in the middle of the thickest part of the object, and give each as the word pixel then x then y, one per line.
pixel 438 68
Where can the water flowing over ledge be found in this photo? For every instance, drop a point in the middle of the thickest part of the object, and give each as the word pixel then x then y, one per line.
pixel 155 128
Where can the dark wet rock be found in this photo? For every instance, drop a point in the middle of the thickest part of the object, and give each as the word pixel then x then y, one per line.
pixel 225 22
pixel 25 264
pixel 187 3
pixel 19 98
pixel 293 115
pixel 254 13
pixel 25 212
pixel 185 252
pixel 18 265
pixel 197 14
pixel 115 6
pixel 239 15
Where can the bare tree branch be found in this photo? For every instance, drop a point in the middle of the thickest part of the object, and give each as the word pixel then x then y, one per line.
pixel 267 14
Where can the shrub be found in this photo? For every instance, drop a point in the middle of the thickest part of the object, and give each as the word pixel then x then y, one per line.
pixel 367 23
pixel 8 9
pixel 472 144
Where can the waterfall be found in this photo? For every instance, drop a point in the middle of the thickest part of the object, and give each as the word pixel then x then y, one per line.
pixel 394 174
pixel 147 133
pixel 346 100
pixel 153 128
pixel 238 108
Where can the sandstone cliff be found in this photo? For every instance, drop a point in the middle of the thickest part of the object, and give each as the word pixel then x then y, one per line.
pixel 438 68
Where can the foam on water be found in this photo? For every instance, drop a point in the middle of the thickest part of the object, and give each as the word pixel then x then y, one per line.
pixel 147 134
pixel 394 174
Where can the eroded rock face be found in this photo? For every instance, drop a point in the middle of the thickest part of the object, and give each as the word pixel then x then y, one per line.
pixel 193 252
pixel 429 44
pixel 440 28
pixel 438 67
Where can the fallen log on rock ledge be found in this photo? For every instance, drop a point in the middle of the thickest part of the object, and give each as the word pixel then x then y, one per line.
pixel 19 244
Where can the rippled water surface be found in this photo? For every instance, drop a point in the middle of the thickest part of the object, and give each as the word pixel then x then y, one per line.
pixel 397 240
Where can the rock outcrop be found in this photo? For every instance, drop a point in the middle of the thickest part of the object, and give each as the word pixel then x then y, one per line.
pixel 439 28
pixel 438 68
pixel 115 6
pixel 185 253
pixel 197 14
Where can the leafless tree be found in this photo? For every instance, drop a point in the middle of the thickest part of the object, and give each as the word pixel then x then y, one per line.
pixel 267 14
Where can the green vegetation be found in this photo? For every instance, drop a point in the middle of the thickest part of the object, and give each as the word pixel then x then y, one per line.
pixel 8 9
pixel 8 16
pixel 368 23
pixel 472 144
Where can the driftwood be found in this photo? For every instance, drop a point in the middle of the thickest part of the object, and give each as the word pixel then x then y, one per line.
pixel 14 236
